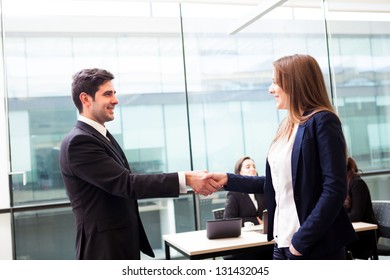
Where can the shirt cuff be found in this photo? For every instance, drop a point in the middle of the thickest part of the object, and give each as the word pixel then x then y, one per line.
pixel 182 182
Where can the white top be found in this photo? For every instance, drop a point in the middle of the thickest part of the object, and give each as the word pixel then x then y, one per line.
pixel 286 221
pixel 252 197
pixel 103 130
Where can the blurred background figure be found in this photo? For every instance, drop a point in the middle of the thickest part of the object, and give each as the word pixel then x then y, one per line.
pixel 250 206
pixel 247 206
pixel 358 206
pixel 358 202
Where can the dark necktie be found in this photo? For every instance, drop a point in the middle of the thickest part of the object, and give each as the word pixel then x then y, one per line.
pixel 119 150
pixel 114 144
pixel 112 140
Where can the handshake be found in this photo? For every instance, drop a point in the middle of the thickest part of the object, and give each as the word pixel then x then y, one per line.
pixel 204 182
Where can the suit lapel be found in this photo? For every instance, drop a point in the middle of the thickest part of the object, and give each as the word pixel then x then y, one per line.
pixel 118 150
pixel 114 144
pixel 296 152
pixel 118 154
pixel 249 201
pixel 259 202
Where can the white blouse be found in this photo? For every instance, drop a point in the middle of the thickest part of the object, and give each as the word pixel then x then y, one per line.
pixel 286 221
pixel 252 197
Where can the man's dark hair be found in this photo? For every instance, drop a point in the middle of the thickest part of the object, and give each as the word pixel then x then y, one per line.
pixel 88 81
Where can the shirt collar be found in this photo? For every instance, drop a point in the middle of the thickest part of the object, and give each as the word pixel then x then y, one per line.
pixel 102 129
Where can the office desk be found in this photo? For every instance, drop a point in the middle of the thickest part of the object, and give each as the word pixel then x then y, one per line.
pixel 368 232
pixel 195 245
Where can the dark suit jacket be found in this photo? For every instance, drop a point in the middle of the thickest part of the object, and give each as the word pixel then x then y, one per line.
pixel 240 205
pixel 103 194
pixel 319 179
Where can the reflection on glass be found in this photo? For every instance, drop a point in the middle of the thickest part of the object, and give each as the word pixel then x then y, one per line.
pixel 362 79
pixel 231 112
pixel 45 235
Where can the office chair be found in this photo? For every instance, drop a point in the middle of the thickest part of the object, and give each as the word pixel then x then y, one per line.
pixel 218 213
pixel 382 214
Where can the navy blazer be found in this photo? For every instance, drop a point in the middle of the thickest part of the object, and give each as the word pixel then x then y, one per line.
pixel 103 194
pixel 319 179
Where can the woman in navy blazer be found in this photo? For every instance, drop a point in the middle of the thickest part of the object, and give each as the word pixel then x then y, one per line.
pixel 306 181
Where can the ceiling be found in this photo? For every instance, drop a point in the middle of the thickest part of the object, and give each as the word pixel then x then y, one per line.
pixel 336 5
pixel 303 3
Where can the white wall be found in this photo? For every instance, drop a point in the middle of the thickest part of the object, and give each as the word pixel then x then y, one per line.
pixel 5 240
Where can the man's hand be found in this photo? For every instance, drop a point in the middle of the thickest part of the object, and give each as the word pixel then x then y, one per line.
pixel 201 182
pixel 220 178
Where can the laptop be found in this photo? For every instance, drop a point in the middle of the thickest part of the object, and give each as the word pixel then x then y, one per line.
pixel 223 228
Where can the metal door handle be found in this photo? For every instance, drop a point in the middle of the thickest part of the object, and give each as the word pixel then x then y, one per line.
pixel 23 173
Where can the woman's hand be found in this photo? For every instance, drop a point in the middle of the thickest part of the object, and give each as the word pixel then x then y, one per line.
pixel 294 251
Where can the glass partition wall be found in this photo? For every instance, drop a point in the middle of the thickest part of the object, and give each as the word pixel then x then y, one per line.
pixel 192 82
pixel 228 74
pixel 359 54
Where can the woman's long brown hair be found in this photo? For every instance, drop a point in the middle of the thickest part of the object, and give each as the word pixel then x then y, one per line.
pixel 301 79
pixel 352 170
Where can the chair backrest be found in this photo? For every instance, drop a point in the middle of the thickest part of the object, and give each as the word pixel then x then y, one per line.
pixel 218 213
pixel 382 214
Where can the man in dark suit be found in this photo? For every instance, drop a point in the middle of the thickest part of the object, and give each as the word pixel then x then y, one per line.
pixel 102 190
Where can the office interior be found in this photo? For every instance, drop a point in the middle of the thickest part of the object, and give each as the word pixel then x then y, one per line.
pixel 192 80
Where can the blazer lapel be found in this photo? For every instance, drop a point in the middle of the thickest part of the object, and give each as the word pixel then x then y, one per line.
pixel 296 152
pixel 118 150
pixel 118 154
pixel 248 201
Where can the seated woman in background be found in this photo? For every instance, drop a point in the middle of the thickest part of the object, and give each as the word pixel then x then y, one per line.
pixel 358 202
pixel 358 206
pixel 249 207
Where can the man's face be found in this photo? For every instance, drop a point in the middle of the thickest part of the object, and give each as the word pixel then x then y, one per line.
pixel 101 109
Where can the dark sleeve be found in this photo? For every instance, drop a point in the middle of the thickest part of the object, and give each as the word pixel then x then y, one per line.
pixel 86 161
pixel 359 196
pixel 245 184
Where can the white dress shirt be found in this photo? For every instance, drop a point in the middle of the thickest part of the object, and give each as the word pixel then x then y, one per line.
pixel 103 130
pixel 286 221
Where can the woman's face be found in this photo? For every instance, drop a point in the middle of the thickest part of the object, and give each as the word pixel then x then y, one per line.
pixel 248 168
pixel 281 98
